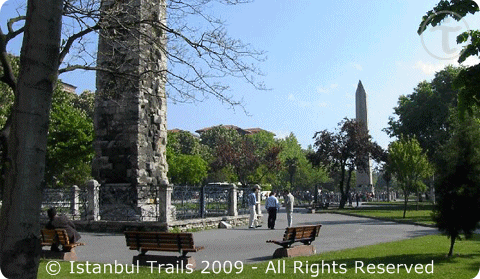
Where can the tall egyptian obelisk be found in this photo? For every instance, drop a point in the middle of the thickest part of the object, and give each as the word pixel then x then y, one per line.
pixel 364 178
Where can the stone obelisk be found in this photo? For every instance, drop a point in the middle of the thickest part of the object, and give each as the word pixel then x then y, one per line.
pixel 364 178
pixel 130 111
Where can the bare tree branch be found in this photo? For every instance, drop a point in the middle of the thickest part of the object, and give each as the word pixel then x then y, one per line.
pixel 13 33
pixel 8 77
pixel 73 38
pixel 199 58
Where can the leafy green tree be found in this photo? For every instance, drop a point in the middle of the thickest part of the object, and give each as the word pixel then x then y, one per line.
pixel 245 158
pixel 387 177
pixel 186 169
pixel 184 142
pixel 263 140
pixel 344 151
pixel 70 136
pixel 291 164
pixel 69 142
pixel 424 113
pixel 211 139
pixel 458 195
pixel 468 80
pixel 86 102
pixel 184 156
pixel 267 146
pixel 297 172
pixel 410 166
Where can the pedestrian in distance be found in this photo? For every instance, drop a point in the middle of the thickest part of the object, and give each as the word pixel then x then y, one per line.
pixel 272 205
pixel 252 202
pixel 289 201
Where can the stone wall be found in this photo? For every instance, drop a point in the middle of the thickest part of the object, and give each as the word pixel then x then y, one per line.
pixel 193 224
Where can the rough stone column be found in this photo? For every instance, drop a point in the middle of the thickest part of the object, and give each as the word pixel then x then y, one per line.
pixel 130 105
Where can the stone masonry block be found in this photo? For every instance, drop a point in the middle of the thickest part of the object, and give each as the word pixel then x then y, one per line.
pixel 295 251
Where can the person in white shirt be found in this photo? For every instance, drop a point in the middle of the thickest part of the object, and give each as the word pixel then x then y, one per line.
pixel 289 200
pixel 252 202
pixel 272 206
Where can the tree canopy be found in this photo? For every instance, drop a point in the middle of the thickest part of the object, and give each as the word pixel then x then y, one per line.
pixel 70 138
pixel 468 80
pixel 424 113
pixel 408 163
pixel 344 152
pixel 458 194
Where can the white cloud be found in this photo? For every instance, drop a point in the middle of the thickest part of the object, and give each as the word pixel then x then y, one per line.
pixel 428 68
pixel 322 104
pixel 322 90
pixel 470 61
pixel 358 66
pixel 328 89
pixel 306 104
pixel 281 134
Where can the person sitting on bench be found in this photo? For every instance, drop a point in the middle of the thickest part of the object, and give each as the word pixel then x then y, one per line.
pixel 61 222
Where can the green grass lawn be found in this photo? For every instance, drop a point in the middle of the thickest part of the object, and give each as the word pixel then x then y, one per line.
pixel 394 211
pixel 418 252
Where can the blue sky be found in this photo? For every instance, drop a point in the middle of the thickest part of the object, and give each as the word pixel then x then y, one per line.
pixel 317 52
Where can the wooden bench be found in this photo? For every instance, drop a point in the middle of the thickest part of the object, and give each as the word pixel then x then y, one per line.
pixel 303 234
pixel 60 237
pixel 161 241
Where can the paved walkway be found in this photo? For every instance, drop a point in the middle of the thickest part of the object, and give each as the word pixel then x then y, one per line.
pixel 338 232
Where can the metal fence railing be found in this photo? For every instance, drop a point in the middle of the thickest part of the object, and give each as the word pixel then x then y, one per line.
pixel 122 202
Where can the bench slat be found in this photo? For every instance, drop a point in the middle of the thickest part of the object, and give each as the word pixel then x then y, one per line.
pixel 168 249
pixel 149 244
pixel 50 236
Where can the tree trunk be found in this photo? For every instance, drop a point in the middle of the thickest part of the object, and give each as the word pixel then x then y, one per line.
pixel 388 191
pixel 19 218
pixel 347 187
pixel 405 204
pixel 452 243
pixel 418 200
pixel 343 199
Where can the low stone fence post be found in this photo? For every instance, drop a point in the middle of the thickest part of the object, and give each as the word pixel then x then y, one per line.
pixel 232 204
pixel 202 202
pixel 165 208
pixel 93 206
pixel 75 202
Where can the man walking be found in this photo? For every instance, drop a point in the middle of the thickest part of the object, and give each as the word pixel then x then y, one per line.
pixel 289 200
pixel 252 202
pixel 272 206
